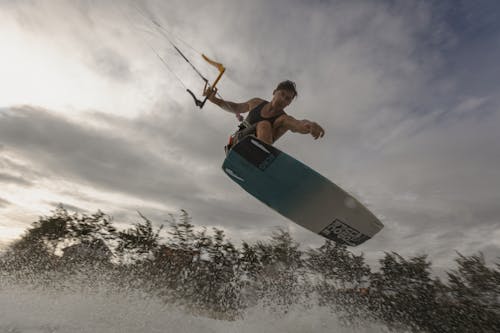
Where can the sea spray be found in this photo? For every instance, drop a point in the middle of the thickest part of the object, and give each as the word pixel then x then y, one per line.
pixel 76 308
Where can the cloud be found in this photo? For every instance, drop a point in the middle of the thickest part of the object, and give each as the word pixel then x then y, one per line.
pixel 111 64
pixel 100 158
pixel 4 203
pixel 6 178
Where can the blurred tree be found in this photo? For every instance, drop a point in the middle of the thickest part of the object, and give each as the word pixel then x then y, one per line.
pixel 141 240
pixel 472 295
pixel 403 292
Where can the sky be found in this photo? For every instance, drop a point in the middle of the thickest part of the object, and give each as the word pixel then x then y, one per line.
pixel 407 92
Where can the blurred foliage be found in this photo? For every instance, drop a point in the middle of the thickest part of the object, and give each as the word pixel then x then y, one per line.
pixel 209 275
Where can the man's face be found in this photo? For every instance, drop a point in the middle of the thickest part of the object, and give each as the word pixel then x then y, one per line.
pixel 282 98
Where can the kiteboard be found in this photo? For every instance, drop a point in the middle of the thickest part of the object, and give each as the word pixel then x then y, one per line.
pixel 299 193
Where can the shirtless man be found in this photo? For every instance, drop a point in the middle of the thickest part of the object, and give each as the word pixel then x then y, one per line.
pixel 268 120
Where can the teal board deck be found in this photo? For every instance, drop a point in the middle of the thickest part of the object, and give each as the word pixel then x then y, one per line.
pixel 299 193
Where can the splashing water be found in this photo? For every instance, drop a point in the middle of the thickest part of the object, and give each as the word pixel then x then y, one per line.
pixel 24 309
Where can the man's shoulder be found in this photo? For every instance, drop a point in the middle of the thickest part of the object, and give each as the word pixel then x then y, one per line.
pixel 254 102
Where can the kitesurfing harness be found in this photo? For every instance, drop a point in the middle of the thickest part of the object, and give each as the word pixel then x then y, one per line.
pixel 249 125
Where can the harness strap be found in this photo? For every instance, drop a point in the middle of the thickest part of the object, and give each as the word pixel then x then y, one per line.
pixel 246 128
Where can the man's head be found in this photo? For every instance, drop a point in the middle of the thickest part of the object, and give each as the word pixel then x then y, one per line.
pixel 284 93
pixel 288 86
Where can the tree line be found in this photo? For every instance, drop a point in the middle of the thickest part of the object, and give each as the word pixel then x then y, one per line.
pixel 203 271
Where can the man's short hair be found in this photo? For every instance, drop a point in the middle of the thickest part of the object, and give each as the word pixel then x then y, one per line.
pixel 288 85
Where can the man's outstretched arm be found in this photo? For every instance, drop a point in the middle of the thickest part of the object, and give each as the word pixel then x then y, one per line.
pixel 303 126
pixel 229 106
